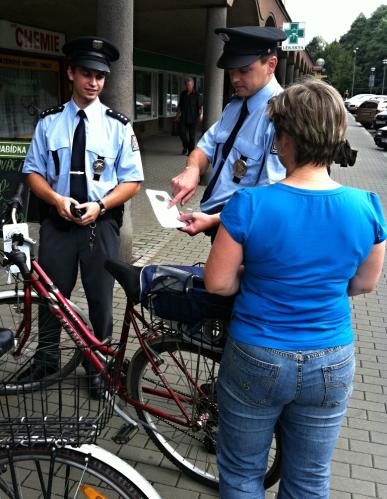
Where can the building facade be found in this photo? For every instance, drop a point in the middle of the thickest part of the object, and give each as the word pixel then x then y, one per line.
pixel 161 43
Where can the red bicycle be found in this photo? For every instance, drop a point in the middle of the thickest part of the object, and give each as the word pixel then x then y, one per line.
pixel 169 380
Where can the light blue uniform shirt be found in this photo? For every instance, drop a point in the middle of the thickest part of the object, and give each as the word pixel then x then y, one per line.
pixel 254 141
pixel 106 137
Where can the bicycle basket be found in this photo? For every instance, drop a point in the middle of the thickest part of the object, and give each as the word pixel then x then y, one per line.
pixel 59 414
pixel 177 293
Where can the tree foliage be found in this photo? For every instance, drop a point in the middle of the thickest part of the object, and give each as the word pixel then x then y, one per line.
pixel 369 37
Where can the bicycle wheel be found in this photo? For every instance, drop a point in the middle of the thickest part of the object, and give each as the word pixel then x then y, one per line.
pixel 67 473
pixel 12 317
pixel 192 448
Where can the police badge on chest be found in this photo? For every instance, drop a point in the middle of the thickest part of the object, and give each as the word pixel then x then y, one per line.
pixel 98 167
pixel 239 169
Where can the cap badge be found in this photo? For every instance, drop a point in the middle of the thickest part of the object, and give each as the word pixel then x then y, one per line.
pixel 224 37
pixel 97 44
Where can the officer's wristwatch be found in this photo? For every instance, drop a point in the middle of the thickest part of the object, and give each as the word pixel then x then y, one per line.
pixel 101 206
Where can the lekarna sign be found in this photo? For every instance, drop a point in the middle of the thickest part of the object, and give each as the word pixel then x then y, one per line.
pixel 296 36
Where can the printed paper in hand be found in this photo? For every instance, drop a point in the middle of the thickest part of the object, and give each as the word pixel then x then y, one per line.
pixel 167 217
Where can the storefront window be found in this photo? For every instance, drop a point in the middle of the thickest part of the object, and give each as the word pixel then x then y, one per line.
pixel 143 89
pixel 27 87
pixel 173 94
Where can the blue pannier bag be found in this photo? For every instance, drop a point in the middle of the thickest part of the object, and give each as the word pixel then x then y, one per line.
pixel 177 293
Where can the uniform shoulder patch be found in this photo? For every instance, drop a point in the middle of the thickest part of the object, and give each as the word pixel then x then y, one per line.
pixel 273 149
pixel 118 116
pixel 51 110
pixel 134 143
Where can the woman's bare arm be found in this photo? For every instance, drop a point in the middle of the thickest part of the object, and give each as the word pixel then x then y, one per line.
pixel 223 267
pixel 368 273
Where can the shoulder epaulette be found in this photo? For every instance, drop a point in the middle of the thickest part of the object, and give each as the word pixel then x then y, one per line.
pixel 51 110
pixel 118 116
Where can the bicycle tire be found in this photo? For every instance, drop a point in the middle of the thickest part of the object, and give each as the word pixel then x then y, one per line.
pixel 191 450
pixel 66 471
pixel 11 315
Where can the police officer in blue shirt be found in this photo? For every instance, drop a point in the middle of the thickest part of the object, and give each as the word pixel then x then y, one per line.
pixel 83 164
pixel 239 145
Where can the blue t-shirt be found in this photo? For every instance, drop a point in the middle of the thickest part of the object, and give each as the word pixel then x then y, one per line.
pixel 300 248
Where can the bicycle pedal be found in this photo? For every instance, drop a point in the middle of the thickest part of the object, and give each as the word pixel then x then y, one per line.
pixel 125 433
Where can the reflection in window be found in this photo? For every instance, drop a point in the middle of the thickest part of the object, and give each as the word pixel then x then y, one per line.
pixel 173 94
pixel 143 90
pixel 24 94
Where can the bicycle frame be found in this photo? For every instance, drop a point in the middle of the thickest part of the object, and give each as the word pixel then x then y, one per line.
pixel 36 279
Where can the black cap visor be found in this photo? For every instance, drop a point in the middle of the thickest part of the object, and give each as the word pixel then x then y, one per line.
pixel 97 64
pixel 233 61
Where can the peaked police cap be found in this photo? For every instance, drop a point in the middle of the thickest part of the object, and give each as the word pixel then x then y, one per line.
pixel 91 52
pixel 244 45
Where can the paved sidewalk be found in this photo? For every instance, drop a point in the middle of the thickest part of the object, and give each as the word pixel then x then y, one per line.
pixel 359 468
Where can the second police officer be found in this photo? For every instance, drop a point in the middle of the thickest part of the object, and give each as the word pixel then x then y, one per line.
pixel 83 164
pixel 239 145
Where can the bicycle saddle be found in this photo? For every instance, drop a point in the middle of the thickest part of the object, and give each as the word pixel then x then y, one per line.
pixel 128 276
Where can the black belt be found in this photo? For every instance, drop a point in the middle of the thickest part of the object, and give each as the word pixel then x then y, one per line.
pixel 61 224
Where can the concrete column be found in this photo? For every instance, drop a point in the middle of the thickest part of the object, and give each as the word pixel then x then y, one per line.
pixel 290 73
pixel 213 76
pixel 281 71
pixel 115 22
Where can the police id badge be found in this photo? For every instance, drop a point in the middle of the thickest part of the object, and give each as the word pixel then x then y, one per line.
pixel 98 167
pixel 239 169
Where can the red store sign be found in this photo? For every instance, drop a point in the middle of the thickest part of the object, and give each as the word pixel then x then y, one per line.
pixel 17 36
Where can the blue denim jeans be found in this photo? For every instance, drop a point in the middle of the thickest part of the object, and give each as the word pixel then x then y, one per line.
pixel 307 392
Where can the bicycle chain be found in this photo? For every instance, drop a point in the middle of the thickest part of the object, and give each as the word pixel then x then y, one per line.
pixel 178 427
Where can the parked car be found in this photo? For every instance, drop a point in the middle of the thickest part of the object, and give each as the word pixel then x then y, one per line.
pixel 380 138
pixel 368 109
pixel 354 102
pixel 380 120
pixel 143 104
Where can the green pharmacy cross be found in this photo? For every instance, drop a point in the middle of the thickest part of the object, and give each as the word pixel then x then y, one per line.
pixel 294 32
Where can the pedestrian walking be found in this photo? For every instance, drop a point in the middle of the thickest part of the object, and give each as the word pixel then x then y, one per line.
pixel 189 115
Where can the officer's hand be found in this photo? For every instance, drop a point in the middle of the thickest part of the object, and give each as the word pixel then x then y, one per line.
pixel 91 213
pixel 62 205
pixel 184 185
pixel 198 222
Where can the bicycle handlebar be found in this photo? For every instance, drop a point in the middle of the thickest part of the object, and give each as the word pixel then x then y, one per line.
pixel 17 201
pixel 13 206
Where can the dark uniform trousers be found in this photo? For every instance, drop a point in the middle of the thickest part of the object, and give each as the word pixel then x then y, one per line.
pixel 188 135
pixel 61 253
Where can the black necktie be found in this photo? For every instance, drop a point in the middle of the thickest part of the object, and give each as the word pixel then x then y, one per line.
pixel 78 186
pixel 226 150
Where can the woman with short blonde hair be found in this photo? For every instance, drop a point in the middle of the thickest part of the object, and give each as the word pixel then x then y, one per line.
pixel 306 244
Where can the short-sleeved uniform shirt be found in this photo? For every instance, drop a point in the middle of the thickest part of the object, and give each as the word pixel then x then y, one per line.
pixel 255 142
pixel 107 138
pixel 301 247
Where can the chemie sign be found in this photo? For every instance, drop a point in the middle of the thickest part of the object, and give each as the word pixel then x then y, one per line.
pixel 296 36
pixel 17 36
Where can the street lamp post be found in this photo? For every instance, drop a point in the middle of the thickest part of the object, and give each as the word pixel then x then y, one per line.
pixel 354 69
pixel 384 73
pixel 371 79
